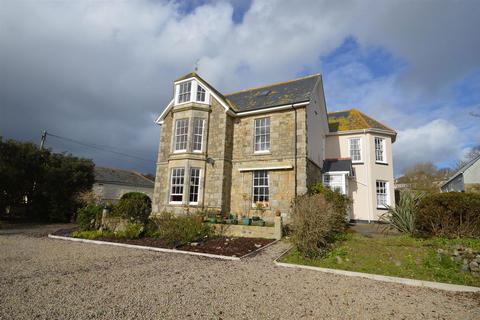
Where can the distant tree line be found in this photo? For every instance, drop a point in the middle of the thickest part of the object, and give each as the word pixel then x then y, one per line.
pixel 40 185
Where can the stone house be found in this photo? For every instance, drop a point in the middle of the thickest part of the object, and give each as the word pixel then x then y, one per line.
pixel 111 184
pixel 251 152
pixel 466 179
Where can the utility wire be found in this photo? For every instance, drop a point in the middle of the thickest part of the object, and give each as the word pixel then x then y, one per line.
pixel 97 147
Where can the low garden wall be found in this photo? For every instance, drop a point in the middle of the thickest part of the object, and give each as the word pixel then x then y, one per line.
pixel 234 230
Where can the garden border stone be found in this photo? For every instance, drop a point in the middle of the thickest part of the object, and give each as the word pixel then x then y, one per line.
pixel 378 277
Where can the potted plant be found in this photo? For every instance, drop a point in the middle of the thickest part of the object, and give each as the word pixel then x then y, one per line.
pixel 246 220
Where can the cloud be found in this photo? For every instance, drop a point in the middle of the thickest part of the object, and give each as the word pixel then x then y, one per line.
pixel 435 141
pixel 100 71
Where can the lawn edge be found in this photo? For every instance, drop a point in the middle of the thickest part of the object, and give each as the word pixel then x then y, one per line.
pixel 133 246
pixel 382 278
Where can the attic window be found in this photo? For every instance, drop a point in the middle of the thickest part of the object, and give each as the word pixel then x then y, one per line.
pixel 191 91
pixel 184 92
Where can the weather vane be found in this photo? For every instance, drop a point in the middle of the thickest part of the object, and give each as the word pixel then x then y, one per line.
pixel 196 65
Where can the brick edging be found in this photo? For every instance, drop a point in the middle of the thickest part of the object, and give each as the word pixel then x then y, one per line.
pixel 378 277
pixel 133 246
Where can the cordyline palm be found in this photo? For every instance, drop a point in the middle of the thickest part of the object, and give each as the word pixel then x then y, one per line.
pixel 403 216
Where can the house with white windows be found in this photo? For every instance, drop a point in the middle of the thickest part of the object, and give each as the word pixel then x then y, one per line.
pixel 251 152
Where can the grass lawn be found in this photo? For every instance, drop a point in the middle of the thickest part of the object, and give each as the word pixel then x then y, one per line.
pixel 400 256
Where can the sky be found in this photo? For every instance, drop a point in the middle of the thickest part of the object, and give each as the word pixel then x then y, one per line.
pixel 99 72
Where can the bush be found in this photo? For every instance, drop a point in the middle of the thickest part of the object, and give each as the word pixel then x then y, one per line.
pixel 134 206
pixel 452 214
pixel 89 217
pixel 92 234
pixel 340 202
pixel 403 216
pixel 132 231
pixel 316 221
pixel 178 230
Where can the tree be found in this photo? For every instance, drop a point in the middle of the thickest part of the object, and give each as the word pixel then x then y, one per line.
pixel 425 176
pixel 45 184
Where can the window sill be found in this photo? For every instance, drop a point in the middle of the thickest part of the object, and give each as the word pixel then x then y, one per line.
pixel 357 162
pixel 381 208
pixel 381 163
pixel 175 203
pixel 261 153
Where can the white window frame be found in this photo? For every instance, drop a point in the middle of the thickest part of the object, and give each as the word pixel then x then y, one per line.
pixel 382 149
pixel 189 93
pixel 197 133
pixel 193 92
pixel 333 186
pixel 264 145
pixel 385 194
pixel 176 185
pixel 184 134
pixel 267 186
pixel 199 88
pixel 198 185
pixel 360 149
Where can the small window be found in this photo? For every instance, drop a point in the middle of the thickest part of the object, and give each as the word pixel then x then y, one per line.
pixel 335 182
pixel 262 135
pixel 355 150
pixel 198 125
pixel 176 185
pixel 380 150
pixel 184 91
pixel 181 135
pixel 201 94
pixel 194 185
pixel 261 190
pixel 382 194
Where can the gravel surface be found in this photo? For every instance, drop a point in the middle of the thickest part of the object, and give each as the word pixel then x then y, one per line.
pixel 44 278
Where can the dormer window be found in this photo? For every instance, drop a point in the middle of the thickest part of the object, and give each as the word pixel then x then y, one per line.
pixel 184 91
pixel 190 91
pixel 201 94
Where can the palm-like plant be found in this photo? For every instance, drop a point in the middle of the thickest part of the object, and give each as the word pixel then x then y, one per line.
pixel 403 216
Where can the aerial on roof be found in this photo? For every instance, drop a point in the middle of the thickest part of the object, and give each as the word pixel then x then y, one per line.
pixel 272 95
pixel 123 177
pixel 353 119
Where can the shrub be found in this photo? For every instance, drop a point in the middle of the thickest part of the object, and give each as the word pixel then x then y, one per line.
pixel 178 230
pixel 134 206
pixel 92 234
pixel 404 215
pixel 452 214
pixel 340 202
pixel 315 222
pixel 132 231
pixel 89 217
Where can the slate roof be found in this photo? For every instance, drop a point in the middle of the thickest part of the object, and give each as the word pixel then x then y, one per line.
pixel 276 94
pixel 123 177
pixel 462 169
pixel 335 165
pixel 353 119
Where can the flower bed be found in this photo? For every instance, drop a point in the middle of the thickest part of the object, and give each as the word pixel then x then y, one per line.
pixel 233 247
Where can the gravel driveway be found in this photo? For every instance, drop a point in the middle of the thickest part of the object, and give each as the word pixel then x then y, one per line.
pixel 43 278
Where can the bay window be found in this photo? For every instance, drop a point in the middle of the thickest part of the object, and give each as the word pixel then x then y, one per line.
pixel 181 135
pixel 184 91
pixel 382 194
pixel 176 185
pixel 355 149
pixel 197 139
pixel 194 185
pixel 380 150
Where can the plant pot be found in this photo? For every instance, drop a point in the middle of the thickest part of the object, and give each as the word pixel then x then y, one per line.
pixel 246 221
pixel 260 223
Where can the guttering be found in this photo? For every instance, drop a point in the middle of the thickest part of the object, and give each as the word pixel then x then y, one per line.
pixel 363 131
pixel 266 168
pixel 278 108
